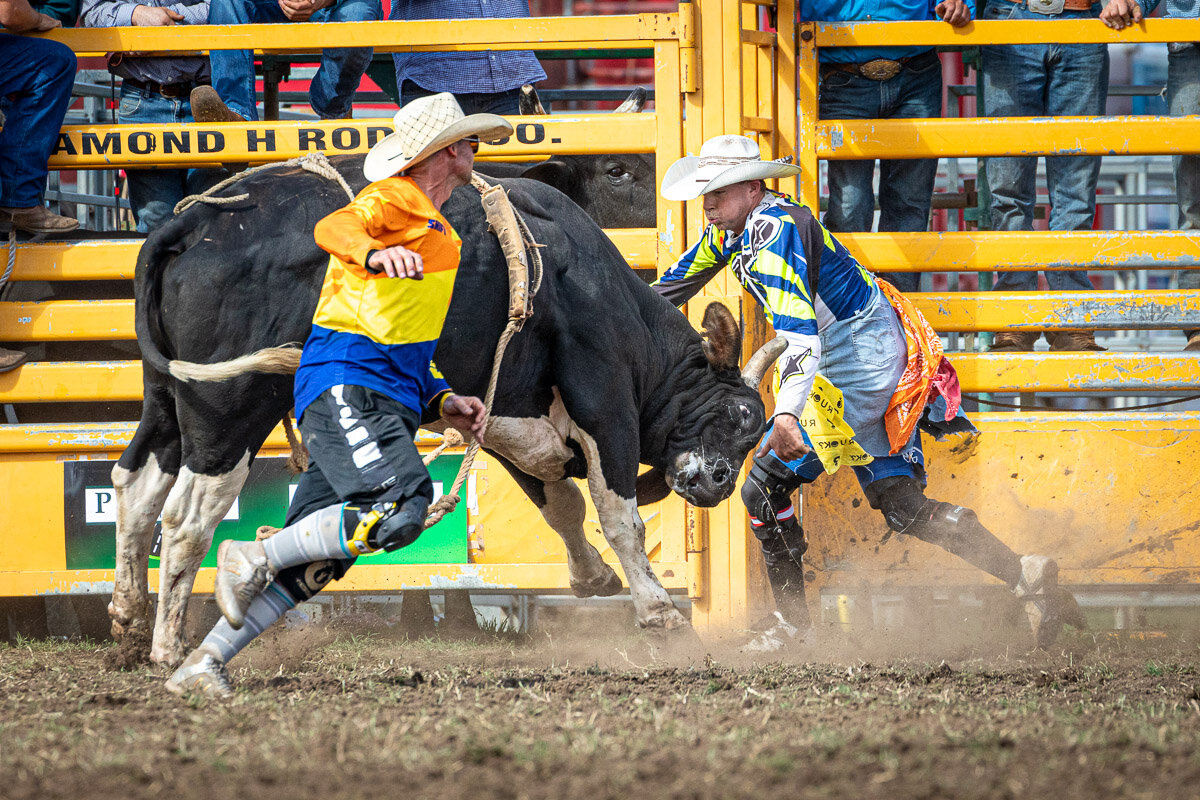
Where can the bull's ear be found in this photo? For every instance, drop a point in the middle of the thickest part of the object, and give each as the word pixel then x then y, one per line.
pixel 722 337
pixel 528 103
pixel 634 103
pixel 556 173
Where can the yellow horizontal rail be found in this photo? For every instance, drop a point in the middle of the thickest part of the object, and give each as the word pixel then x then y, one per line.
pixel 109 146
pixel 1007 136
pixel 974 251
pixel 84 320
pixel 88 381
pixel 96 437
pixel 536 33
pixel 1055 311
pixel 366 577
pixel 97 259
pixel 66 320
pixel 1034 31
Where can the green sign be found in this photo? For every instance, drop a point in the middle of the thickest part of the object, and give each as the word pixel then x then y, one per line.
pixel 91 515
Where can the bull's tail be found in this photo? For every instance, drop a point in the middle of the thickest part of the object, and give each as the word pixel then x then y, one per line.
pixel 283 360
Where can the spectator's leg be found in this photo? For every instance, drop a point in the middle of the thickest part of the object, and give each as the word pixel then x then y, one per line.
pixel 1078 88
pixel 906 185
pixel 153 193
pixel 333 87
pixel 1183 97
pixel 233 70
pixel 410 90
pixel 1014 85
pixel 844 95
pixel 39 77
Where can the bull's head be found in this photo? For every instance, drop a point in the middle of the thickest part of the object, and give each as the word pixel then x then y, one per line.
pixel 723 417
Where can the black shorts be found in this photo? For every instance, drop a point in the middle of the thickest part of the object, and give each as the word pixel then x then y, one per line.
pixel 361 450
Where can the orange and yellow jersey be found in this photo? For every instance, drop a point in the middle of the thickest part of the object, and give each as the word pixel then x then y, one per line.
pixel 371 330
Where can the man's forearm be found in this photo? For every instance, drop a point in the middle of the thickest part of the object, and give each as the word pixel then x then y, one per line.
pixel 18 16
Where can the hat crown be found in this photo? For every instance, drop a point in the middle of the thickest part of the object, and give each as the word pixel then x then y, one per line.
pixel 729 149
pixel 420 121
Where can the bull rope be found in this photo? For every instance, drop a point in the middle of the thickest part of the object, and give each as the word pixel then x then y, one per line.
pixel 12 258
pixel 524 280
pixel 313 162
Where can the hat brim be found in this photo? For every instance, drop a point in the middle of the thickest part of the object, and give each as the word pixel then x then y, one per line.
pixel 687 180
pixel 386 158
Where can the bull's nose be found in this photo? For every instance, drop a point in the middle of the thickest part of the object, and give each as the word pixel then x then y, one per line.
pixel 721 474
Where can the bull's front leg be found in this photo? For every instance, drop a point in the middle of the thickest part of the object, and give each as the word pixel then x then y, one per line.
pixel 626 534
pixel 194 507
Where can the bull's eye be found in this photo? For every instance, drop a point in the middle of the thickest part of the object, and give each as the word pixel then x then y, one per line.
pixel 618 174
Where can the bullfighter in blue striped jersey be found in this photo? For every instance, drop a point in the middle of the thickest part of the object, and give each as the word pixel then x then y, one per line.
pixel 837 321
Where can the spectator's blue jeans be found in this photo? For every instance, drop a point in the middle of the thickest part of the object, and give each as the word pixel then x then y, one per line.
pixel 153 193
pixel 905 186
pixel 1183 98
pixel 1039 80
pixel 38 74
pixel 333 87
pixel 508 102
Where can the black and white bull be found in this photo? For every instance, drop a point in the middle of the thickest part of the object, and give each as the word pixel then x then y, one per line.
pixel 605 376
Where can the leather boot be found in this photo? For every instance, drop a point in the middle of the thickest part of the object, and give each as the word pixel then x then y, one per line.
pixel 1073 341
pixel 1193 343
pixel 11 359
pixel 38 219
pixel 207 106
pixel 1014 342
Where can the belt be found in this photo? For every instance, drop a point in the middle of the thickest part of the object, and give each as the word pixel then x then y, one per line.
pixel 169 90
pixel 1054 6
pixel 877 69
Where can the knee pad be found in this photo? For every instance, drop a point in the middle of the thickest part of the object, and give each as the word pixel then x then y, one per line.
pixel 907 510
pixel 768 500
pixel 384 526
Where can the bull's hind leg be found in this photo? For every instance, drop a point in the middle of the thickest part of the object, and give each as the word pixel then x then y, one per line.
pixel 142 478
pixel 194 507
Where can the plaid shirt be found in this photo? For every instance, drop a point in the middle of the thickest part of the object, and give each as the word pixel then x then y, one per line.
pixel 487 71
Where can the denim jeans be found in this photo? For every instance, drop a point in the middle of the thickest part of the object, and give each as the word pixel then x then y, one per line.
pixel 1039 80
pixel 905 186
pixel 153 193
pixel 1183 98
pixel 333 87
pixel 39 77
pixel 471 102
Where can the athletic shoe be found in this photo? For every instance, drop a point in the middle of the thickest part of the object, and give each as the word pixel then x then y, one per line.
pixel 1038 587
pixel 242 574
pixel 779 635
pixel 201 673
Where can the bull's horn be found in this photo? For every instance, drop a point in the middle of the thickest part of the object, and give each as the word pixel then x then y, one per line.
pixel 762 361
pixel 632 104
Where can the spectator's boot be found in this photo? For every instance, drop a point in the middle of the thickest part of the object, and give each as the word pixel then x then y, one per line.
pixel 1075 341
pixel 207 106
pixel 201 673
pixel 11 359
pixel 1014 342
pixel 1193 342
pixel 38 220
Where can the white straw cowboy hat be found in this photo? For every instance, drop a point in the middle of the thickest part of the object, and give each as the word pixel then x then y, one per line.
pixel 425 126
pixel 723 161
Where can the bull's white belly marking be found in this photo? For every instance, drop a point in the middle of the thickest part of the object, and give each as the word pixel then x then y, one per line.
pixel 536 445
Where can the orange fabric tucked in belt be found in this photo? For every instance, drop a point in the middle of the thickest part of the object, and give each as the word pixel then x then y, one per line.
pixel 928 370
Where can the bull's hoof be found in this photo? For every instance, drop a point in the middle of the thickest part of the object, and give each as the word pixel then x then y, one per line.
pixel 132 650
pixel 599 586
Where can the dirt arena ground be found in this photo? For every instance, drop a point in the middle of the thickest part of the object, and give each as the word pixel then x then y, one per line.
pixel 345 710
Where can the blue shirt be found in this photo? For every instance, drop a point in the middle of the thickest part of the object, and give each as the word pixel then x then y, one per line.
pixel 1176 9
pixel 485 71
pixel 870 11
